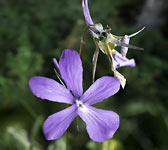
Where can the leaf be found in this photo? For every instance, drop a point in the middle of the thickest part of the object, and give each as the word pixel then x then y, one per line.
pixel 18 137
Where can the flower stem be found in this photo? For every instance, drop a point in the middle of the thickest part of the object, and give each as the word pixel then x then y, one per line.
pixel 28 108
pixel 83 42
pixel 100 147
pixel 66 141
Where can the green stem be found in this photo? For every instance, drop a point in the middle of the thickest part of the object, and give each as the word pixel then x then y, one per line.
pixel 28 108
pixel 83 42
pixel 66 140
pixel 100 146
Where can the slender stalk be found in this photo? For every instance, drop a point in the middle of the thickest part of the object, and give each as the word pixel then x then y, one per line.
pixel 29 109
pixel 99 146
pixel 66 140
pixel 83 42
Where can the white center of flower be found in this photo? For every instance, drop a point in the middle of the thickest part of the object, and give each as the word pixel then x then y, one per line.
pixel 81 106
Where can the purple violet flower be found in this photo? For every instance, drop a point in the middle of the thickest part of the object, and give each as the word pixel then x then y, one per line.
pixel 106 42
pixel 100 124
pixel 99 32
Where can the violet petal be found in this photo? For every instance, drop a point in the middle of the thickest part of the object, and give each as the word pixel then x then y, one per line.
pixel 46 88
pixel 101 89
pixel 86 12
pixel 125 40
pixel 71 71
pixel 57 124
pixel 100 124
pixel 121 61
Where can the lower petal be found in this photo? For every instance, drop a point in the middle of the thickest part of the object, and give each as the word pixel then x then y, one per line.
pixel 121 61
pixel 57 124
pixel 100 124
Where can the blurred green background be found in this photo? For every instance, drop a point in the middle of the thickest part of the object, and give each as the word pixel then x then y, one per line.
pixel 32 32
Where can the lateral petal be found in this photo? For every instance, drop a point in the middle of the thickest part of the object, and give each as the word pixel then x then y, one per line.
pixel 57 124
pixel 46 88
pixel 101 89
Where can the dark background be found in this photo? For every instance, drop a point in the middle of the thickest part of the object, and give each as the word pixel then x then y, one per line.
pixel 32 32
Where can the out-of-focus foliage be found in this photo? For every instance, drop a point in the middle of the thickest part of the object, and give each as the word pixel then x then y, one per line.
pixel 32 32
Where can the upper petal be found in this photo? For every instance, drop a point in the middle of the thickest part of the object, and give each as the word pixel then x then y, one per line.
pixel 121 61
pixel 57 124
pixel 46 88
pixel 124 49
pixel 100 124
pixel 101 89
pixel 86 13
pixel 71 70
pixel 126 40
